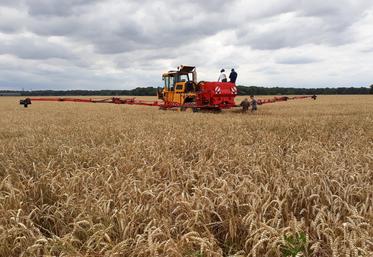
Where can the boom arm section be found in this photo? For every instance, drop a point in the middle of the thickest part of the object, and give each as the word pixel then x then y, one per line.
pixel 112 100
pixel 283 99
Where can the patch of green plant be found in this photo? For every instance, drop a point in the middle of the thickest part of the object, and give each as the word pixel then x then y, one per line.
pixel 194 254
pixel 294 244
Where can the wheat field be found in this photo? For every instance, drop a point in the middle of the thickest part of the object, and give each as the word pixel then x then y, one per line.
pixel 293 179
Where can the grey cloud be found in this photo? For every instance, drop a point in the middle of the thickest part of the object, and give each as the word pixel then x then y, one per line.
pixel 124 29
pixel 367 50
pixel 150 34
pixel 337 17
pixel 323 8
pixel 268 70
pixel 12 20
pixel 11 3
pixel 293 34
pixel 72 77
pixel 315 22
pixel 37 49
pixel 56 7
pixel 189 21
pixel 343 9
pixel 297 60
pixel 56 26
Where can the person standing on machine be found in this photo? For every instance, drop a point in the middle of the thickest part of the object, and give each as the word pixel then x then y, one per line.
pixel 233 76
pixel 222 77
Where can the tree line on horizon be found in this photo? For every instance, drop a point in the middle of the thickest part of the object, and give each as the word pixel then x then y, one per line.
pixel 242 90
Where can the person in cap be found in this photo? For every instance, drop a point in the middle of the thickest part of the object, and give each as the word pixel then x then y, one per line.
pixel 222 77
pixel 253 103
pixel 233 76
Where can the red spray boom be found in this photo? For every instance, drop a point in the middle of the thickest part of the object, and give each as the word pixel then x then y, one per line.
pixel 163 105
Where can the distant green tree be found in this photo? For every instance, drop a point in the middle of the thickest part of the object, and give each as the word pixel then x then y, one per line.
pixel 242 90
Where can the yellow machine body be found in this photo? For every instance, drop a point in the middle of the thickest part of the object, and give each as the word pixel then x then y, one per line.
pixel 179 86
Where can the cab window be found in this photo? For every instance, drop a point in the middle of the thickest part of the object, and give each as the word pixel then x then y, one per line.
pixel 184 78
pixel 169 82
pixel 165 79
pixel 172 82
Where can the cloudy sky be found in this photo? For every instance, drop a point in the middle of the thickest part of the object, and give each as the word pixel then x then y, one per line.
pixel 122 44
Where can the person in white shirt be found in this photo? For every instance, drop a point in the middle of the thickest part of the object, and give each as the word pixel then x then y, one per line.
pixel 222 77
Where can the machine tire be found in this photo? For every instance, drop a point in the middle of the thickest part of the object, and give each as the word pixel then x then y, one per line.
pixel 199 86
pixel 192 86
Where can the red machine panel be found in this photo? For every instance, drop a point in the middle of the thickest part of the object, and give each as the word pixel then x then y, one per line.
pixel 216 94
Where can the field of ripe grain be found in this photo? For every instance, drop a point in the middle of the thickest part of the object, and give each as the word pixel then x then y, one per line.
pixel 115 180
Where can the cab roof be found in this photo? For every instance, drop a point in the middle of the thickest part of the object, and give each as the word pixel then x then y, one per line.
pixel 183 69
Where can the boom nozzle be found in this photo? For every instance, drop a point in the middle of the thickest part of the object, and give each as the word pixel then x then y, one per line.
pixel 25 102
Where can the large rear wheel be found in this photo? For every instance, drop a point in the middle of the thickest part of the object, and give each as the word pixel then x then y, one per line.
pixel 190 87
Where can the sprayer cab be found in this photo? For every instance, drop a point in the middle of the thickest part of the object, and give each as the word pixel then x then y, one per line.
pixel 179 86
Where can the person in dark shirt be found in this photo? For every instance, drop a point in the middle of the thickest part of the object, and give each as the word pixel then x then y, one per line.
pixel 233 76
pixel 245 105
